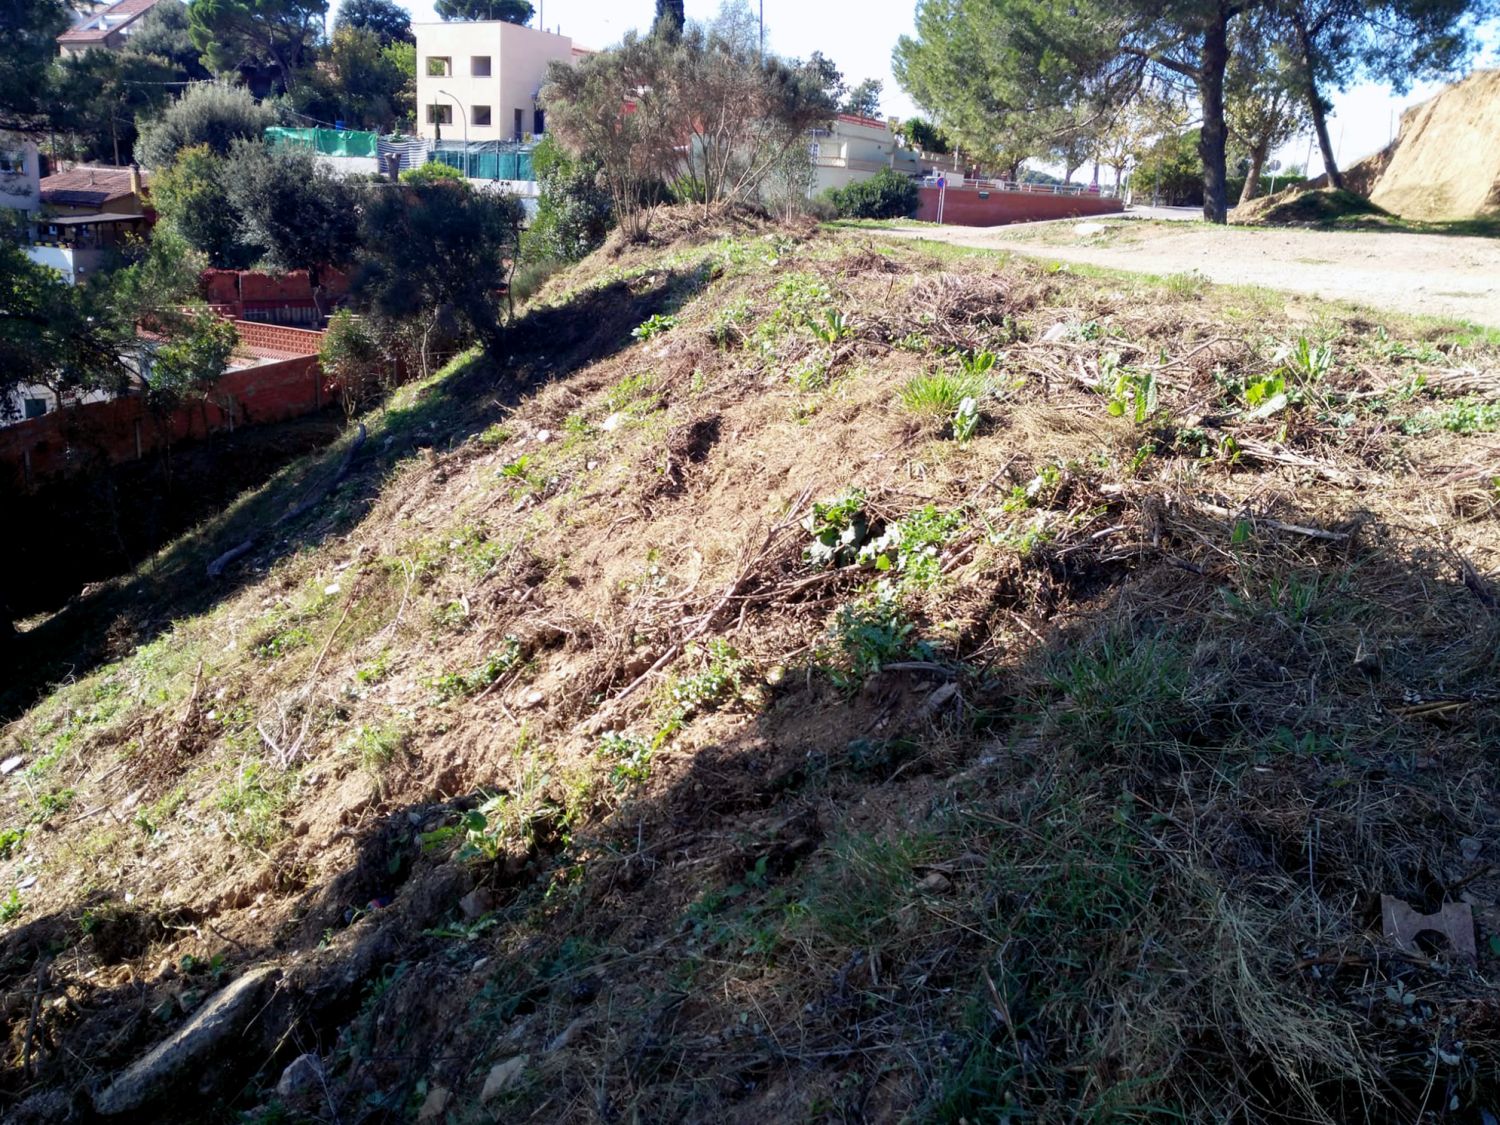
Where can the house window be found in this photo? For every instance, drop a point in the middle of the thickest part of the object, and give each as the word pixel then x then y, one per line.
pixel 440 115
pixel 539 122
pixel 35 407
pixel 520 123
pixel 480 114
pixel 479 66
pixel 439 66
pixel 12 163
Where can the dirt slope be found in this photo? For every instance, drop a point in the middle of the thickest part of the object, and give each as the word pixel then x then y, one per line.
pixel 1446 161
pixel 672 719
pixel 1443 165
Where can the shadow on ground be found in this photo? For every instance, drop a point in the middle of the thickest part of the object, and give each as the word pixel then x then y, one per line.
pixel 1120 873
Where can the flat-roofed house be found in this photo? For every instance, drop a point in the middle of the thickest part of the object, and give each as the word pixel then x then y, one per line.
pixel 479 80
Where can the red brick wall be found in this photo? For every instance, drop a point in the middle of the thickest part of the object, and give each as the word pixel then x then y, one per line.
pixel 964 208
pixel 67 441
pixel 247 289
pixel 278 339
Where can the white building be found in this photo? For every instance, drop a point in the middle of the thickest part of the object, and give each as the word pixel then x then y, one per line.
pixel 855 148
pixel 103 29
pixel 480 81
pixel 20 173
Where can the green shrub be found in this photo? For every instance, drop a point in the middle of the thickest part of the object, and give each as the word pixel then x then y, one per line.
pixel 433 172
pixel 886 195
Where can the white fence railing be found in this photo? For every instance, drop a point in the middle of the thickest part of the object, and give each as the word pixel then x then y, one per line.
pixel 1106 191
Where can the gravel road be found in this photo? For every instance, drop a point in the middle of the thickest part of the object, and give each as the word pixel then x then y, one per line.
pixel 1428 274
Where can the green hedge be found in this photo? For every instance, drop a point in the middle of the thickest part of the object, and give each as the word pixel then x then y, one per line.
pixel 886 195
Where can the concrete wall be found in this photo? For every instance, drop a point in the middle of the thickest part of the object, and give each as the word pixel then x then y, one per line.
pixel 964 207
pixel 518 58
pixel 74 265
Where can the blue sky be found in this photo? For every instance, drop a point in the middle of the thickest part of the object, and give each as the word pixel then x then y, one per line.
pixel 858 36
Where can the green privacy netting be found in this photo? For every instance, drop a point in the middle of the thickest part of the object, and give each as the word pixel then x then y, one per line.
pixel 513 165
pixel 329 142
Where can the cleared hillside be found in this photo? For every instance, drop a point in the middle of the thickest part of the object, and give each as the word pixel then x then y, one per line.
pixel 671 719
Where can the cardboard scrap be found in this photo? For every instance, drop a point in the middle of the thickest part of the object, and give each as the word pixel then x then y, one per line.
pixel 1455 921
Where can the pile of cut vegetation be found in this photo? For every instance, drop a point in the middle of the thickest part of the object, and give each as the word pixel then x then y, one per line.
pixel 803 678
pixel 1302 206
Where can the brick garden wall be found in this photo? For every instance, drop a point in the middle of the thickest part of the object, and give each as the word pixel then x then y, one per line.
pixel 964 207
pixel 78 438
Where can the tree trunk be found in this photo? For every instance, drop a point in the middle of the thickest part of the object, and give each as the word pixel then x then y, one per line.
pixel 1213 137
pixel 1258 153
pixel 1315 104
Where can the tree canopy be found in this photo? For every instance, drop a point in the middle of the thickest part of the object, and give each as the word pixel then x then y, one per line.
pixel 300 214
pixel 670 19
pixel 164 33
pixel 277 35
pixel 28 32
pixel 98 98
pixel 864 100
pixel 511 11
pixel 1009 77
pixel 211 114
pixel 387 19
pixel 437 248
pixel 740 114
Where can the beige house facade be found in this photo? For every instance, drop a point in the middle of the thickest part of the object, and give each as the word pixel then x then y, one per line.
pixel 855 148
pixel 481 80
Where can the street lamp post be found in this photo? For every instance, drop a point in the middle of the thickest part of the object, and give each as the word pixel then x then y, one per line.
pixel 464 117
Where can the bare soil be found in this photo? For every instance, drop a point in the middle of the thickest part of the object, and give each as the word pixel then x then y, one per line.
pixel 1430 275
pixel 560 779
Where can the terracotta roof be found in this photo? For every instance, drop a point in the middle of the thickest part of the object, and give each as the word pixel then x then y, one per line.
pixel 99 26
pixel 87 185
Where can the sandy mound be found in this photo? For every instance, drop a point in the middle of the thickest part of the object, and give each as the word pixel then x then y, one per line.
pixel 1444 164
pixel 1446 161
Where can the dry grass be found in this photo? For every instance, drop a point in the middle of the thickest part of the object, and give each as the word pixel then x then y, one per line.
pixel 1070 799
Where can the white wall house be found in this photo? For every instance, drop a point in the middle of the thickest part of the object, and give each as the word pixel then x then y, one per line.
pixel 855 148
pixel 851 149
pixel 20 173
pixel 480 80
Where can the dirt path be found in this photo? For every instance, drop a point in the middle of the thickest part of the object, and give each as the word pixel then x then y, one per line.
pixel 1435 275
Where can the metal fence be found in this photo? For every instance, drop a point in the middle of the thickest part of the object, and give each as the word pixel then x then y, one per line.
pixel 487 160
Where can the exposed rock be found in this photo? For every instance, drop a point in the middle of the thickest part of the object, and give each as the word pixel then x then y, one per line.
pixel 568 1033
pixel 935 883
pixel 503 1076
pixel 435 1104
pixel 185 1053
pixel 476 903
pixel 302 1074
